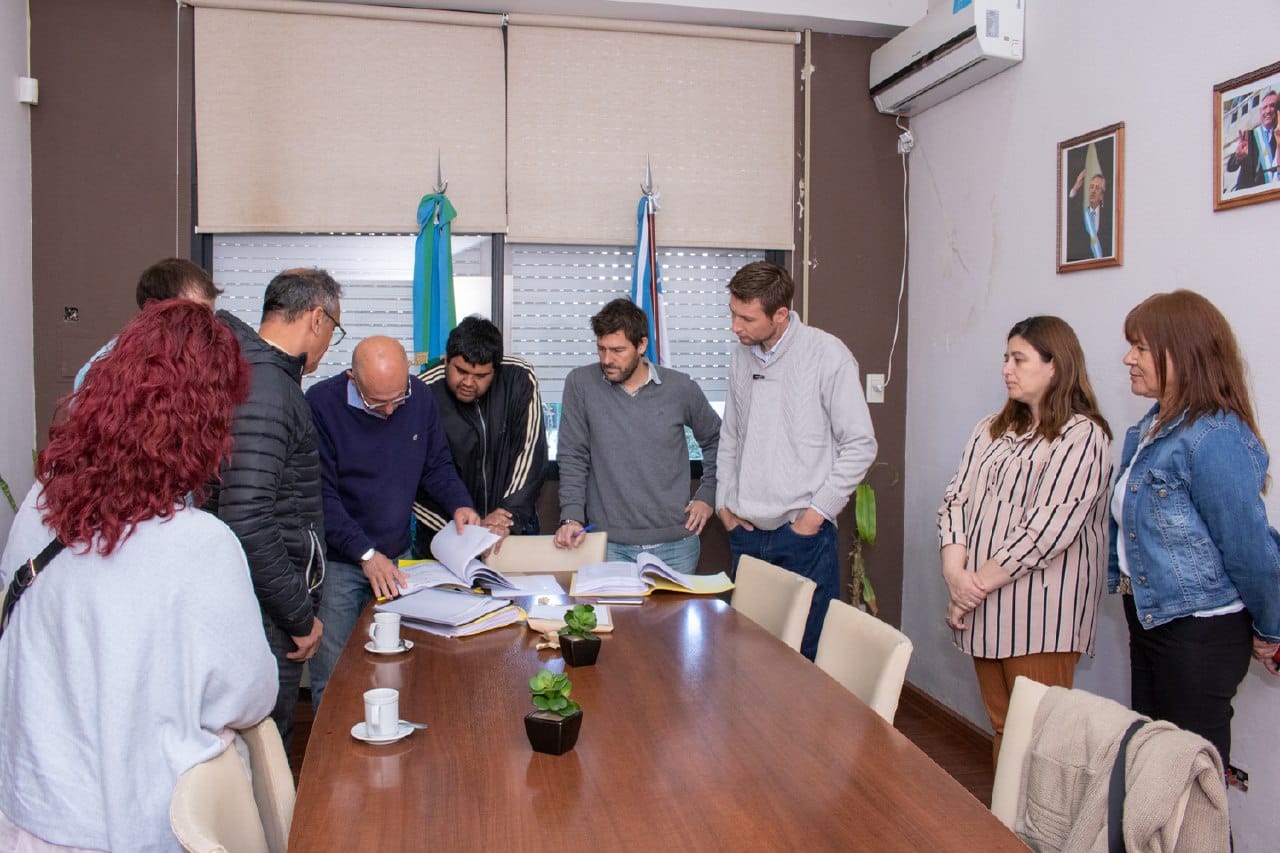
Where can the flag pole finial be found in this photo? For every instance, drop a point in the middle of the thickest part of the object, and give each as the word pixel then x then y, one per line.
pixel 441 183
pixel 647 186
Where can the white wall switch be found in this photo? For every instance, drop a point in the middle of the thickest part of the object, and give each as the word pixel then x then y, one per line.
pixel 875 387
pixel 28 90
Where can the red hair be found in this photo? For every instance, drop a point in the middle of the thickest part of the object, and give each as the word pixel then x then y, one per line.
pixel 150 424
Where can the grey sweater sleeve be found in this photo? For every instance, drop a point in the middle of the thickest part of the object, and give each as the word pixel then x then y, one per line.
pixel 573 454
pixel 705 423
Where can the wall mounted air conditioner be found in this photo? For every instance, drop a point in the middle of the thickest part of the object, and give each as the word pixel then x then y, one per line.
pixel 957 44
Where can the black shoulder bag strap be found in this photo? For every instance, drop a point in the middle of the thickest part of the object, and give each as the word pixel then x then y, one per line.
pixel 24 577
pixel 1116 792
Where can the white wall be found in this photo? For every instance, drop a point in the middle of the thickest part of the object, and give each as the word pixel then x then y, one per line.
pixel 17 386
pixel 982 257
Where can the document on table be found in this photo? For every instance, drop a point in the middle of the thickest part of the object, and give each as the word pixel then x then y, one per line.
pixel 643 577
pixel 450 613
pixel 530 585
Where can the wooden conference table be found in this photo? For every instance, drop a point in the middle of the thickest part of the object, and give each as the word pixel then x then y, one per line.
pixel 701 731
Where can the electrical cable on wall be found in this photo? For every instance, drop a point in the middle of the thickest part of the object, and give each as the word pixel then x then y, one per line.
pixel 906 141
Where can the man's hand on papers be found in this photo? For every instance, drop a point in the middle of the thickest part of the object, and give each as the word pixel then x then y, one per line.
pixel 384 576
pixel 730 521
pixel 465 515
pixel 696 515
pixel 308 645
pixel 499 522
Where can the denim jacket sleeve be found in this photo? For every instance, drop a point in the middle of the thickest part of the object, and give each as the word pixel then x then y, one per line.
pixel 1228 469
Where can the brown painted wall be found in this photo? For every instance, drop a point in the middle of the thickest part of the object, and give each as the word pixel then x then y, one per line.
pixel 105 199
pixel 856 240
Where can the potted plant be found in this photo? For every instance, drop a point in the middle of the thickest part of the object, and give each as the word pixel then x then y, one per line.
pixel 578 644
pixel 553 728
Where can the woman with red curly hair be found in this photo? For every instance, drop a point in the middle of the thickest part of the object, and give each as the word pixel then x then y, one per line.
pixel 140 646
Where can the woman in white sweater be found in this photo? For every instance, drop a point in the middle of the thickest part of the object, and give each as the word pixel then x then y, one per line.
pixel 140 646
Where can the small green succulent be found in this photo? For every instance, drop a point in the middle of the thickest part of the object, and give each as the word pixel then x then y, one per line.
pixel 551 692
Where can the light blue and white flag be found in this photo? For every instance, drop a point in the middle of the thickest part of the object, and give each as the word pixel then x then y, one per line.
pixel 646 283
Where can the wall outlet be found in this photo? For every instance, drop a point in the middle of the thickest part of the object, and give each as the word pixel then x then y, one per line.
pixel 875 387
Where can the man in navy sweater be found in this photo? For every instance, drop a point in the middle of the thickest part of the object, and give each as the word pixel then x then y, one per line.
pixel 381 441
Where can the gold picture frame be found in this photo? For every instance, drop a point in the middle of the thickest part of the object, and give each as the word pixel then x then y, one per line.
pixel 1246 145
pixel 1091 200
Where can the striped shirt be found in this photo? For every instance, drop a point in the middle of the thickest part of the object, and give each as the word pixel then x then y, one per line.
pixel 1038 508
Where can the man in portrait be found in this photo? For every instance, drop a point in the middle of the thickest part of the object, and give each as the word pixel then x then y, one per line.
pixel 1255 154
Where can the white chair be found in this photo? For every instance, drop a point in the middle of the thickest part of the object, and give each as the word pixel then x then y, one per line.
pixel 1006 792
pixel 866 655
pixel 273 789
pixel 539 554
pixel 216 808
pixel 212 809
pixel 776 599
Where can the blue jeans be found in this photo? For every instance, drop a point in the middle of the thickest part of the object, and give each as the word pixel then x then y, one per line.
pixel 814 557
pixel 347 593
pixel 681 555
pixel 290 672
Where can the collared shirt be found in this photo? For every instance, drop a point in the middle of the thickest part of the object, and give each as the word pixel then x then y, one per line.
pixel 355 401
pixel 653 377
pixel 763 354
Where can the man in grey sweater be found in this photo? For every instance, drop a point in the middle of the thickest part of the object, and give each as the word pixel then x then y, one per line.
pixel 796 440
pixel 624 463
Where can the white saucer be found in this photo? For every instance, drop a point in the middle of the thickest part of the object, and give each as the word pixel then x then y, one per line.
pixel 404 646
pixel 361 732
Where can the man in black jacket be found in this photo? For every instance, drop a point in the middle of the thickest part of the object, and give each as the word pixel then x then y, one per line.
pixel 492 415
pixel 269 493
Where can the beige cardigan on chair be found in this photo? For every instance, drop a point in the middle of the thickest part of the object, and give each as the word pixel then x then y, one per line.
pixel 1176 798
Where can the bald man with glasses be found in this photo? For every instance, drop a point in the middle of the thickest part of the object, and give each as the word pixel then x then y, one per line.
pixel 381 440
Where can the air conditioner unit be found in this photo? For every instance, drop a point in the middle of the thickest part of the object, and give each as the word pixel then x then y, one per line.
pixel 957 44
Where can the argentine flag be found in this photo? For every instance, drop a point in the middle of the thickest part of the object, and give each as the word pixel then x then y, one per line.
pixel 646 283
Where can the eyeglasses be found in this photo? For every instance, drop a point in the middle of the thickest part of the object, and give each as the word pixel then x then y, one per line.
pixel 378 404
pixel 338 332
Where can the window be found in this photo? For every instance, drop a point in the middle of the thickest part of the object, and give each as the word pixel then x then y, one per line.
pixel 375 271
pixel 555 290
pixel 551 292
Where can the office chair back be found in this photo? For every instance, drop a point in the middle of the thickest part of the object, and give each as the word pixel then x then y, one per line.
pixel 217 807
pixel 776 599
pixel 866 655
pixel 539 554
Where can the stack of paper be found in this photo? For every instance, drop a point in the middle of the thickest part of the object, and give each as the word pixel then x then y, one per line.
pixel 643 577
pixel 447 613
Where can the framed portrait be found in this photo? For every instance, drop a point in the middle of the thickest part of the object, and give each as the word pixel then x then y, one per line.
pixel 1091 200
pixel 1246 143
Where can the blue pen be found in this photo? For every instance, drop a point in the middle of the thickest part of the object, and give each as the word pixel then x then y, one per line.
pixel 588 528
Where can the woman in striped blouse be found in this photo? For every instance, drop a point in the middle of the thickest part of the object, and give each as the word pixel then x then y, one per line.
pixel 1023 524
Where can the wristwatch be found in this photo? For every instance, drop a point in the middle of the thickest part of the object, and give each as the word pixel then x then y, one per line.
pixel 367 555
pixel 565 521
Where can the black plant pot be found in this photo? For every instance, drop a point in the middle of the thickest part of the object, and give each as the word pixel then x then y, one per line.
pixel 580 651
pixel 552 733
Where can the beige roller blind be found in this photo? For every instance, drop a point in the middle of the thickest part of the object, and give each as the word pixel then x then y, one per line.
pixel 715 115
pixel 327 121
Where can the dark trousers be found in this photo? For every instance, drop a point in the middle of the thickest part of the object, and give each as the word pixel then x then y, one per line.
pixel 1187 671
pixel 290 678
pixel 814 557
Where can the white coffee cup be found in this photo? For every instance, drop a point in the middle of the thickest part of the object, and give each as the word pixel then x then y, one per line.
pixel 385 631
pixel 382 712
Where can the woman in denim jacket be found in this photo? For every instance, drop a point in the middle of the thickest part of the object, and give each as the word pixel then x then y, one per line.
pixel 1200 567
